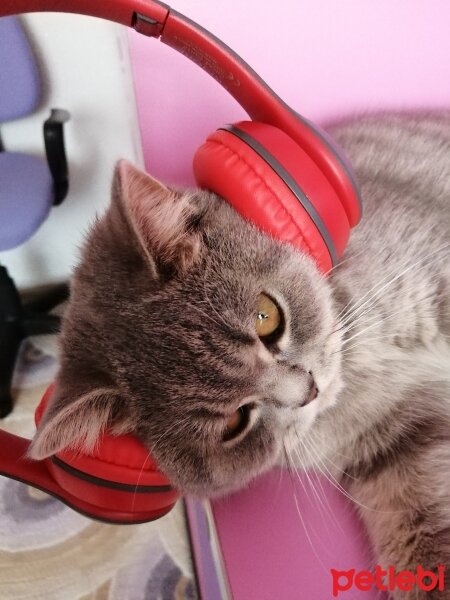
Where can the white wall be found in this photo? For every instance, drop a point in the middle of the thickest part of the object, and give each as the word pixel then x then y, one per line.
pixel 85 66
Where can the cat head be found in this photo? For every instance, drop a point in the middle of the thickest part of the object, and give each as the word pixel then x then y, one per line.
pixel 188 327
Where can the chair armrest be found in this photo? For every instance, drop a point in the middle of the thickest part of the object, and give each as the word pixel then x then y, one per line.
pixel 56 154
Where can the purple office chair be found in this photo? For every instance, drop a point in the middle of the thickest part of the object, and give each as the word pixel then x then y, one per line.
pixel 29 187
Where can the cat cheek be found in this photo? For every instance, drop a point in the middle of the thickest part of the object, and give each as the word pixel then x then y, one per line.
pixel 329 395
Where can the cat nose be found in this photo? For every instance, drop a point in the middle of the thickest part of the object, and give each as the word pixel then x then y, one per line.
pixel 312 392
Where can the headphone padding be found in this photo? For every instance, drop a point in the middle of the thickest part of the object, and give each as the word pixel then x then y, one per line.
pixel 229 167
pixel 121 458
pixel 326 208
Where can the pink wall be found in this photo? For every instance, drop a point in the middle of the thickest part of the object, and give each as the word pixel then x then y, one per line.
pixel 325 57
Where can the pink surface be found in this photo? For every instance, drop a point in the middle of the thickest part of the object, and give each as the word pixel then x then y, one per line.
pixel 325 58
pixel 272 552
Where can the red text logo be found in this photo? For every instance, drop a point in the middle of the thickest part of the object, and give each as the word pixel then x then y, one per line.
pixel 388 580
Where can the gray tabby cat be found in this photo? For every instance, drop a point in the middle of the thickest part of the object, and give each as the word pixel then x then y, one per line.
pixel 226 351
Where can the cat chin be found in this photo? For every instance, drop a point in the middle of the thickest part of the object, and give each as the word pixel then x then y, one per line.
pixel 225 485
pixel 295 431
pixel 218 491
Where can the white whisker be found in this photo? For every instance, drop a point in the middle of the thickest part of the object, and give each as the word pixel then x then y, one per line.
pixel 138 481
pixel 354 322
pixel 205 314
pixel 378 290
pixel 330 513
pixel 345 261
pixel 289 469
pixel 313 434
pixel 320 501
pixel 384 319
pixel 336 484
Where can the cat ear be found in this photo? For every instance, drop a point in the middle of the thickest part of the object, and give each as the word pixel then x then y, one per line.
pixel 162 220
pixel 79 424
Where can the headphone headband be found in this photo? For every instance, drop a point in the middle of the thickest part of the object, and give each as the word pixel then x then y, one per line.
pixel 155 19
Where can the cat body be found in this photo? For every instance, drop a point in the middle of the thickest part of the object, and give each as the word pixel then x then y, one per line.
pixel 159 340
pixel 388 437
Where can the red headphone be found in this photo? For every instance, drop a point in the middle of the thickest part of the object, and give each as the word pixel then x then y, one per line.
pixel 277 170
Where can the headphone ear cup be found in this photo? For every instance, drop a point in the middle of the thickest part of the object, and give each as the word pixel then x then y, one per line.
pixel 118 477
pixel 274 184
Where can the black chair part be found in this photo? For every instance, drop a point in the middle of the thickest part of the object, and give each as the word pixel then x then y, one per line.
pixel 56 153
pixel 19 321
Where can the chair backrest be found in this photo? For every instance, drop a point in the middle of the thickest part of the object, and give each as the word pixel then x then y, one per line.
pixel 26 197
pixel 26 190
pixel 20 84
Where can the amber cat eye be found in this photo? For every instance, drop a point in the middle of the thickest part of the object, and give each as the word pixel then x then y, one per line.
pixel 268 317
pixel 237 422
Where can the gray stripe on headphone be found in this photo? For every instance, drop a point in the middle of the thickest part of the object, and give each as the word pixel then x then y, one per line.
pixel 318 133
pixel 290 182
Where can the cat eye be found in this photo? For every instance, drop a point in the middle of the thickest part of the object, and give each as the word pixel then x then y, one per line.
pixel 237 422
pixel 268 318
